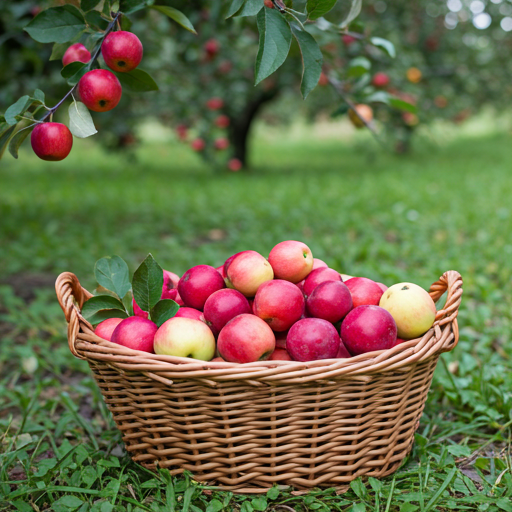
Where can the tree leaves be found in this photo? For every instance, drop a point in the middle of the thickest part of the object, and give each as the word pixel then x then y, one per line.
pixel 23 130
pixel 235 6
pixel 317 8
pixel 312 59
pixel 250 8
pixel 112 273
pixel 80 121
pixel 88 5
pixel 175 15
pixel 147 283
pixel 274 45
pixel 355 9
pixel 163 310
pixel 385 45
pixel 129 6
pixel 74 71
pixel 358 67
pixel 16 109
pixel 137 81
pixel 56 25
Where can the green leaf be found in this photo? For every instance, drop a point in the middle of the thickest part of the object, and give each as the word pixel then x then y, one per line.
pixel 5 137
pixel 358 66
pixel 126 23
pixel 23 130
pixel 378 97
pixel 58 50
pixel 259 503
pixel 235 6
pixel 251 8
pixel 68 502
pixel 105 314
pixel 275 41
pixel 355 9
pixel 39 95
pixel 129 6
pixel 163 310
pixel 441 489
pixel 56 25
pixel 504 504
pixel 137 81
pixel 408 507
pixel 214 506
pixel 386 45
pixel 317 8
pixel 95 20
pixel 273 493
pixel 359 488
pixel 87 5
pixel 22 506
pixel 357 507
pixel 402 105
pixel 16 109
pixel 175 15
pixel 458 450
pixel 312 59
pixel 147 283
pixel 74 71
pixel 99 303
pixel 112 273
pixel 81 124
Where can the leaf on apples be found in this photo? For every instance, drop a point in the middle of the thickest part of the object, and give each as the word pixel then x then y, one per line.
pixel 163 310
pixel 385 45
pixel 235 7
pixel 175 15
pixel 81 124
pixel 112 273
pixel 137 81
pixel 95 20
pixel 88 5
pixel 317 8
pixel 105 314
pixel 100 303
pixel 147 283
pixel 57 24
pixel 274 45
pixel 353 13
pixel 312 60
pixel 23 130
pixel 17 109
pixel 74 71
pixel 129 6
pixel 250 8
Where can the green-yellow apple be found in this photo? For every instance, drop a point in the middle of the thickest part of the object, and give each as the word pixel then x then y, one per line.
pixel 412 308
pixel 247 271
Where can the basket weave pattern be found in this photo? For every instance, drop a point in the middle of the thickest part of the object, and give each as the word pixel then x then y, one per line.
pixel 246 427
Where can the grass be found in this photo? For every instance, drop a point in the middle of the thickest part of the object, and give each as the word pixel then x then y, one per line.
pixel 386 217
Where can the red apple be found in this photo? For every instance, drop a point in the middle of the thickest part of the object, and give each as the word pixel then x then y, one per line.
pixel 235 164
pixel 343 353
pixel 222 121
pixel 280 354
pixel 211 47
pixel 323 80
pixel 279 303
pixel 318 263
pixel 368 328
pixel 248 271
pixel 220 270
pixel 185 312
pixel 122 51
pixel 136 333
pixel 100 90
pixel 106 328
pixel 137 311
pixel 171 281
pixel 281 339
pixel 51 141
pixel 198 144
pixel 310 339
pixel 185 337
pixel 317 276
pixel 365 292
pixel 383 287
pixel 76 53
pixel 215 103
pixel 330 300
pixel 221 143
pixel 380 80
pixel 268 3
pixel 348 39
pixel 218 360
pixel 291 260
pixel 222 306
pixel 229 260
pixel 197 284
pixel 182 131
pixel 179 300
pixel 246 339
pixel 399 341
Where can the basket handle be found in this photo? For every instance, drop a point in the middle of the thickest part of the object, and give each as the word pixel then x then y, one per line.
pixel 69 291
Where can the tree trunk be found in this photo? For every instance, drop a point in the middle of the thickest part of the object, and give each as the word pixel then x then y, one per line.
pixel 240 124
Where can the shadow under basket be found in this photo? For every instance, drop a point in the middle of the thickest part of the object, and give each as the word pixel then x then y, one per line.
pixel 249 426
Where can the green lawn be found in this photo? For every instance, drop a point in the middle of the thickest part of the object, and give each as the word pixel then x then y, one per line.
pixel 386 217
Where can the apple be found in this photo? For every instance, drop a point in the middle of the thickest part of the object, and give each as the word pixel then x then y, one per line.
pixel 229 260
pixel 246 339
pixel 137 311
pixel 100 90
pixel 136 333
pixel 380 80
pixel 169 291
pixel 106 328
pixel 197 284
pixel 323 80
pixel 222 121
pixel 215 103
pixel 51 141
pixel 122 51
pixel 291 260
pixel 398 342
pixel 185 337
pixel 247 271
pixel 382 286
pixel 235 164
pixel 185 312
pixel 220 270
pixel 222 306
pixel 330 300
pixel 365 111
pixel 76 53
pixel 318 263
pixel 364 291
pixel 211 47
pixel 412 308
pixel 310 339
pixel 343 353
pixel 171 281
pixel 348 39
pixel 280 303
pixel 198 144
pixel 318 276
pixel 280 354
pixel 221 143
pixel 182 131
pixel 368 328
pixel 218 360
pixel 268 3
pixel 179 300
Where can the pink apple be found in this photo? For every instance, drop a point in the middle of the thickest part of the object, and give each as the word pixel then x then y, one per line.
pixel 330 300
pixel 235 164
pixel 318 263
pixel 171 280
pixel 279 303
pixel 179 300
pixel 197 284
pixel 100 90
pixel 222 306
pixel 222 121
pixel 343 353
pixel 311 339
pixel 247 271
pixel 220 270
pixel 198 144
pixel 122 51
pixel 246 339
pixel 185 312
pixel 318 276
pixel 76 53
pixel 136 333
pixel 137 311
pixel 229 260
pixel 368 328
pixel 382 286
pixel 185 337
pixel 291 260
pixel 399 341
pixel 51 141
pixel 280 354
pixel 365 292
pixel 106 328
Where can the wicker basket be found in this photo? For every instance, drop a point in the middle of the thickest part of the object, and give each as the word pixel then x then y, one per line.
pixel 247 427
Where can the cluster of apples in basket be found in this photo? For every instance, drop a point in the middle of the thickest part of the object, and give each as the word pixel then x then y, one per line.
pixel 290 306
